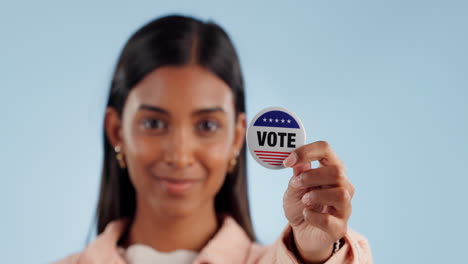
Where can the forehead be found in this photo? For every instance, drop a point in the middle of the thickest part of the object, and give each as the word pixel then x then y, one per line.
pixel 182 87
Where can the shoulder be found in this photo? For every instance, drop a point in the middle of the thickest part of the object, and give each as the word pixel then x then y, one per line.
pixel 103 249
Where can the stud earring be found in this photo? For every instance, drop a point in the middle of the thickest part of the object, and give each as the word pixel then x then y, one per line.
pixel 120 157
pixel 232 164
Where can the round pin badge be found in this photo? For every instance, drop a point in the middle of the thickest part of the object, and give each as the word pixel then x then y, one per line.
pixel 273 134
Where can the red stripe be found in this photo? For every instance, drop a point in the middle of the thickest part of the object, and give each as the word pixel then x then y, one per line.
pixel 272 152
pixel 275 163
pixel 270 159
pixel 265 155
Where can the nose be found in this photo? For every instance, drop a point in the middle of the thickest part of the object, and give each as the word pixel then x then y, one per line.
pixel 178 151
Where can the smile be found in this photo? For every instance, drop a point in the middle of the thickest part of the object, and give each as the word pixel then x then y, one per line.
pixel 176 186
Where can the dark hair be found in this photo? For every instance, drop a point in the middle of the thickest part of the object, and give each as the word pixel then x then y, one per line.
pixel 173 40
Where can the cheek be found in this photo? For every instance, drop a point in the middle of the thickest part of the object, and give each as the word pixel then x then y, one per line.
pixel 215 159
pixel 141 152
pixel 139 148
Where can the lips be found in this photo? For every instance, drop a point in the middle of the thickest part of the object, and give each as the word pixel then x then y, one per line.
pixel 176 186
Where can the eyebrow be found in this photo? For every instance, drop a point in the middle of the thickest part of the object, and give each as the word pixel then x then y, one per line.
pixel 196 112
pixel 209 110
pixel 153 108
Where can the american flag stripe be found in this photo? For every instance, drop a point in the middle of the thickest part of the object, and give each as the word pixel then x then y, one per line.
pixel 276 161
pixel 266 155
pixel 262 158
pixel 276 152
pixel 272 161
pixel 272 157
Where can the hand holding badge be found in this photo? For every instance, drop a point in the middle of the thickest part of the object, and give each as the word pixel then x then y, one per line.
pixel 317 202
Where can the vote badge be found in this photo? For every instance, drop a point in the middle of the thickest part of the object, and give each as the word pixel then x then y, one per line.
pixel 273 134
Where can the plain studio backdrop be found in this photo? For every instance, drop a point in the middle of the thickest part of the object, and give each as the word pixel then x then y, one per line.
pixel 385 82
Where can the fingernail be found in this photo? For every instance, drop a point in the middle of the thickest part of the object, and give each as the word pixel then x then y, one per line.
pixel 296 182
pixel 290 160
pixel 306 199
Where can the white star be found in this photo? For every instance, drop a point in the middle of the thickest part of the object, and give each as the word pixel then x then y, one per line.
pixel 282 120
pixel 271 120
pixel 289 121
pixel 276 120
pixel 264 119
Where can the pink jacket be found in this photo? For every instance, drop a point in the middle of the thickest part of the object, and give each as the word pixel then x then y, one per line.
pixel 229 245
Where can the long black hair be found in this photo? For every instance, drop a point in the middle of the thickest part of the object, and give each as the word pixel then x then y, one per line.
pixel 173 40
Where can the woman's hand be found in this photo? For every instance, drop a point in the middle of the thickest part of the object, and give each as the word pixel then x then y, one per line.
pixel 317 202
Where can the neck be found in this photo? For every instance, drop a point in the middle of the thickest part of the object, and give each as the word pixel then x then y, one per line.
pixel 166 233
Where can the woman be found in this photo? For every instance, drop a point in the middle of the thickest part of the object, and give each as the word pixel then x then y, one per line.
pixel 174 187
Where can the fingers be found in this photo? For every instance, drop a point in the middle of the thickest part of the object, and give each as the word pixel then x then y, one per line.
pixel 323 194
pixel 329 175
pixel 299 169
pixel 327 223
pixel 319 150
pixel 334 201
pixel 333 175
pixel 324 177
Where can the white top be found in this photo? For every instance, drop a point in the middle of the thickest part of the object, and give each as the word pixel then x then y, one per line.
pixel 142 254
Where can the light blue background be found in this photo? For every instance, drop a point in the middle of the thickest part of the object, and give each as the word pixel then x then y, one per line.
pixel 385 82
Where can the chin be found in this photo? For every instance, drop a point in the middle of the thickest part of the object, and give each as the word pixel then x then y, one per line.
pixel 178 207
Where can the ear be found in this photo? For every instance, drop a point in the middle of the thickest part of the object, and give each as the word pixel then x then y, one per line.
pixel 239 137
pixel 113 127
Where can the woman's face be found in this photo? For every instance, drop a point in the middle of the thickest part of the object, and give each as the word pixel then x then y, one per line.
pixel 178 133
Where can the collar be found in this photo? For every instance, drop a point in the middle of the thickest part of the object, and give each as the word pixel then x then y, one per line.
pixel 229 245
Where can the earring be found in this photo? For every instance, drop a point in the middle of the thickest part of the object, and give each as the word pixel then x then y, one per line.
pixel 120 157
pixel 232 164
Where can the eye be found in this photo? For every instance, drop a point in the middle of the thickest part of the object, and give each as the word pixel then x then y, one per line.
pixel 153 124
pixel 208 126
